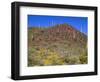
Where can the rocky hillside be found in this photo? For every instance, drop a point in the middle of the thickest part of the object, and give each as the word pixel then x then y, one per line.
pixel 62 39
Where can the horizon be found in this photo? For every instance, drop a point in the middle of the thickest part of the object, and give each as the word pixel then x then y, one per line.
pixel 44 21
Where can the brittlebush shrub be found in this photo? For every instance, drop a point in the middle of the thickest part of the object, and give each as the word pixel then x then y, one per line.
pixel 83 59
pixel 53 58
pixel 71 60
pixel 46 57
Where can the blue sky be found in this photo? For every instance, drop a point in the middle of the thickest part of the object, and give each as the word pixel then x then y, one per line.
pixel 80 23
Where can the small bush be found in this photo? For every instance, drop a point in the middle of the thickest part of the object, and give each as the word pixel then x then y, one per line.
pixel 45 57
pixel 83 57
pixel 71 60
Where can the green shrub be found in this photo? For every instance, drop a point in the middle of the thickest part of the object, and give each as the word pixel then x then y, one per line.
pixel 83 59
pixel 71 60
pixel 45 57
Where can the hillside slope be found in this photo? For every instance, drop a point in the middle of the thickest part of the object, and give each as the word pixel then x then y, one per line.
pixel 62 42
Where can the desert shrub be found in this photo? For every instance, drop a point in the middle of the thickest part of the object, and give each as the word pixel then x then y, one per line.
pixel 53 58
pixel 32 57
pixel 45 57
pixel 83 57
pixel 29 62
pixel 31 51
pixel 71 60
pixel 32 61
